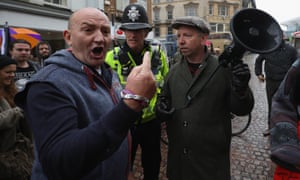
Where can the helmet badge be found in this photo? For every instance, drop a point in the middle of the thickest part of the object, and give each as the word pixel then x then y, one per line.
pixel 133 14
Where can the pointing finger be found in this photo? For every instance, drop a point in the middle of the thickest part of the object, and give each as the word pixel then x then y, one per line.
pixel 146 61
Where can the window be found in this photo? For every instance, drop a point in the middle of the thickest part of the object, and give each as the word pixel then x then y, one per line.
pixel 220 28
pixel 156 14
pixel 223 11
pixel 155 1
pixel 58 2
pixel 211 9
pixel 169 9
pixel 170 30
pixel 191 11
pixel 170 14
pixel 213 27
pixel 156 31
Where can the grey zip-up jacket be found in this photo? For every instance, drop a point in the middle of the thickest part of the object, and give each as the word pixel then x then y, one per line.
pixel 80 126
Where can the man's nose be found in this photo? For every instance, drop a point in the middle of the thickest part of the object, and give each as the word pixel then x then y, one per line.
pixel 99 37
pixel 180 40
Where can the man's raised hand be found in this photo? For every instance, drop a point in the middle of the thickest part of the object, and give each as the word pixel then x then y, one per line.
pixel 141 80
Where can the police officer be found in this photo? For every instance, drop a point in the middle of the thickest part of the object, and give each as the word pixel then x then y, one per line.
pixel 146 131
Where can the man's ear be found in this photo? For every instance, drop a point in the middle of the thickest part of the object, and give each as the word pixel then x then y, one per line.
pixel 146 32
pixel 204 39
pixel 67 37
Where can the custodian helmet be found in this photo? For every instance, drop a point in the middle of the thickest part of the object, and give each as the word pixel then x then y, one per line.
pixel 135 18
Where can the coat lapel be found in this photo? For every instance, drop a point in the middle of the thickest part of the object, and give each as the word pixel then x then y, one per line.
pixel 206 72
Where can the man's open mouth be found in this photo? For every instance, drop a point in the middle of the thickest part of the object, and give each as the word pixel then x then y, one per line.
pixel 97 50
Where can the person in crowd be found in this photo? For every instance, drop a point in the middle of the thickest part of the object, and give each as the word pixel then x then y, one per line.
pixel 20 51
pixel 210 47
pixel 285 126
pixel 16 154
pixel 275 64
pixel 196 102
pixel 43 51
pixel 146 130
pixel 84 131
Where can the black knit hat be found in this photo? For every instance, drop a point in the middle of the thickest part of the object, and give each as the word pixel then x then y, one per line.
pixel 5 61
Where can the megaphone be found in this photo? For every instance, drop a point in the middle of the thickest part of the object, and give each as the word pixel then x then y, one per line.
pixel 253 30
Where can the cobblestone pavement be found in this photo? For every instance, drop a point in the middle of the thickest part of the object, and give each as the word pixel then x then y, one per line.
pixel 249 151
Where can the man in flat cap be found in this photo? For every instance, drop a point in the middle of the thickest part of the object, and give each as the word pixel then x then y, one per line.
pixel 197 99
pixel 146 130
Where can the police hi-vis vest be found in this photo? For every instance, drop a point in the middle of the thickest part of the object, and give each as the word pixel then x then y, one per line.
pixel 123 62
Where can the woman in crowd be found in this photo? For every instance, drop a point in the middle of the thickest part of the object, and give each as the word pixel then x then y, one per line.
pixel 15 146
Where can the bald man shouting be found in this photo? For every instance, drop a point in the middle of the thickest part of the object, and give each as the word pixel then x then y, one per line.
pixel 79 113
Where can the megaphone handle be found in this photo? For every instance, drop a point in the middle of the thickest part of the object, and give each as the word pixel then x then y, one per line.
pixel 232 54
pixel 224 58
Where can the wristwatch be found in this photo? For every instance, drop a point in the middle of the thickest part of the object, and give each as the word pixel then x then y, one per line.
pixel 126 94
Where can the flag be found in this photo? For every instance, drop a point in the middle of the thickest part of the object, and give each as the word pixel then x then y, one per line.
pixel 8 34
pixel 4 39
pixel 1 40
pixel 27 34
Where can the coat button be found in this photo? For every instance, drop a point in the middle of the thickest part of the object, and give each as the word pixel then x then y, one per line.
pixel 185 150
pixel 185 123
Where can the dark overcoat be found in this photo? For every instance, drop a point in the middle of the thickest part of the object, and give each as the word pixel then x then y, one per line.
pixel 199 131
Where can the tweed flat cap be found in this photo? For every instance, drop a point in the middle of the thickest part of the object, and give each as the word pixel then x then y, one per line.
pixel 193 21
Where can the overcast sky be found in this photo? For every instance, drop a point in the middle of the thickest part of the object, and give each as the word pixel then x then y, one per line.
pixel 281 10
